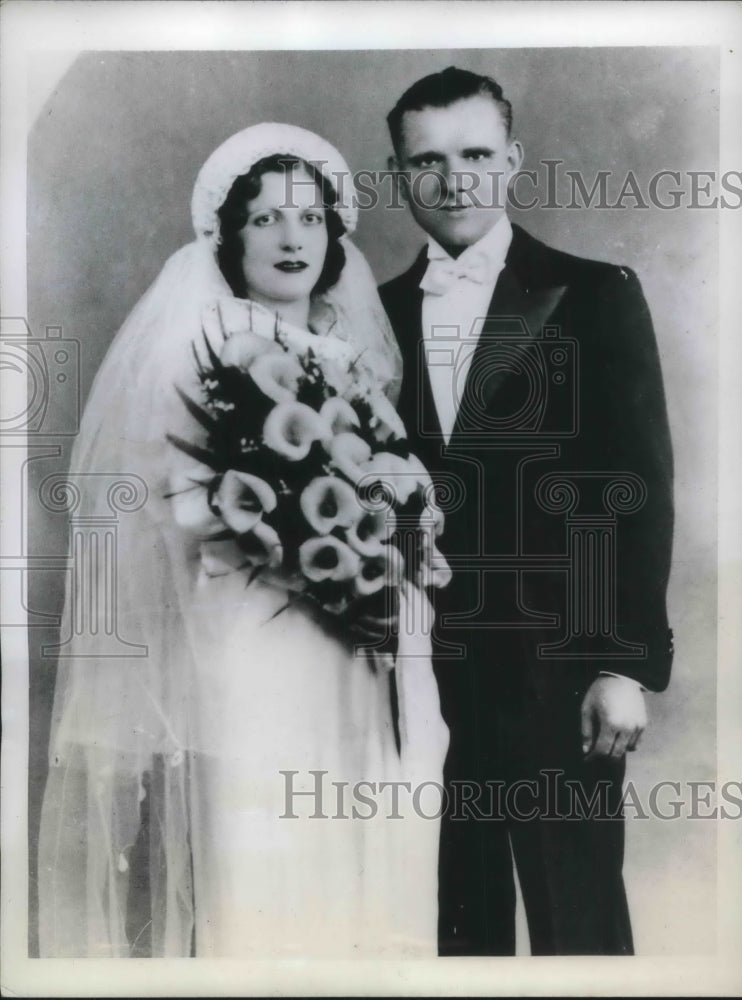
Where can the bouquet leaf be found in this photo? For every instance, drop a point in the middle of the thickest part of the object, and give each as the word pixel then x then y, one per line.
pixel 197 412
pixel 202 455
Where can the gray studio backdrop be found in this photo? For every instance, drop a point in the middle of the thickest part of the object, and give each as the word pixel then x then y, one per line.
pixel 113 156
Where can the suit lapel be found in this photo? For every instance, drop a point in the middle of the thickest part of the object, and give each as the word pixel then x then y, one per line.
pixel 524 300
pixel 518 311
pixel 416 397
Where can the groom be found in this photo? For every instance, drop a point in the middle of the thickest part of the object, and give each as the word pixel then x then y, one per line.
pixel 532 391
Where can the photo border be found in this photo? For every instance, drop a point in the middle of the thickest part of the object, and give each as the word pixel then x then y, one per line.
pixel 30 29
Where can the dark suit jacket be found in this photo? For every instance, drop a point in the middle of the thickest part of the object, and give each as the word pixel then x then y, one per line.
pixel 558 476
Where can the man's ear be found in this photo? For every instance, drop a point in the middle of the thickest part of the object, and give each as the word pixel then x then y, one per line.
pixel 399 177
pixel 515 156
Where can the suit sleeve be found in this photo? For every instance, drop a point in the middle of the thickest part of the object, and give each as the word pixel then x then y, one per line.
pixel 626 405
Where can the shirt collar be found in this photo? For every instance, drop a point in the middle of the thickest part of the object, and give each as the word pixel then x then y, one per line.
pixel 494 244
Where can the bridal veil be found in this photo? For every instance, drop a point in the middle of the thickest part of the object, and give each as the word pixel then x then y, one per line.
pixel 124 726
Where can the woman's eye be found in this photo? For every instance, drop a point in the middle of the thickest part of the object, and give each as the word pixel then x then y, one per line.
pixel 314 218
pixel 263 220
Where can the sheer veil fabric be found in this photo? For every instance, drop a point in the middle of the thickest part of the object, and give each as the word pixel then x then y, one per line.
pixel 173 771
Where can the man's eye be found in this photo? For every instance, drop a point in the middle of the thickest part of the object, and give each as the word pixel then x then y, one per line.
pixel 476 157
pixel 424 162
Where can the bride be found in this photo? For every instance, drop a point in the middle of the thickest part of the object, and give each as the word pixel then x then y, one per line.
pixel 245 783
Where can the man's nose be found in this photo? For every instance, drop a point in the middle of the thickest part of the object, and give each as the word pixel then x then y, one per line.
pixel 452 176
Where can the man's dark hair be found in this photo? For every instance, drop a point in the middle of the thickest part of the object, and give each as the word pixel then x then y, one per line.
pixel 233 216
pixel 441 89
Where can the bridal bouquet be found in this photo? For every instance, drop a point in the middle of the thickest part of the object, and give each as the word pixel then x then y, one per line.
pixel 306 478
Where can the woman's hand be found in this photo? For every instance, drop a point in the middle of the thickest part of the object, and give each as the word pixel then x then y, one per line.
pixel 372 628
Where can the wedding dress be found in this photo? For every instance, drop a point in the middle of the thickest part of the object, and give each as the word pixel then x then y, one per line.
pixel 242 784
pixel 294 860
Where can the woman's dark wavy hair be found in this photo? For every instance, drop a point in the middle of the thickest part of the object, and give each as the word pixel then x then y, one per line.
pixel 233 216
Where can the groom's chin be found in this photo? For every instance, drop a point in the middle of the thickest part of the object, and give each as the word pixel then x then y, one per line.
pixel 457 228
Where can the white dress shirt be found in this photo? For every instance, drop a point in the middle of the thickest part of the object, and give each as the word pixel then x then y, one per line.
pixel 453 316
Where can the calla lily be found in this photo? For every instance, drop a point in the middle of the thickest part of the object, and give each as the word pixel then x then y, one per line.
pixel 386 422
pixel 442 573
pixel 262 547
pixel 328 502
pixel 328 559
pixel 243 499
pixel 277 375
pixel 385 569
pixel 221 557
pixel 243 348
pixel 420 472
pixel 436 572
pixel 393 472
pixel 291 428
pixel 433 516
pixel 190 499
pixel 348 453
pixel 339 415
pixel 370 533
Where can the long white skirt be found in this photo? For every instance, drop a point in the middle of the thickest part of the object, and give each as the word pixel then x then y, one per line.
pixel 312 836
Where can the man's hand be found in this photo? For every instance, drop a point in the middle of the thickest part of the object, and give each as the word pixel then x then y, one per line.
pixel 614 717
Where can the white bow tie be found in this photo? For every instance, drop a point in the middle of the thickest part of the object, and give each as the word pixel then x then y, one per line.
pixel 442 273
